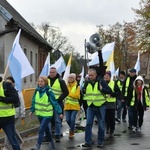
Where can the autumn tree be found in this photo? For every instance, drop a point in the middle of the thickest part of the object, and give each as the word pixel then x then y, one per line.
pixel 61 46
pixel 143 25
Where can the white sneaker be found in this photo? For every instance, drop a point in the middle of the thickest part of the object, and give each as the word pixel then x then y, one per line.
pixel 4 148
pixel 139 129
pixel 134 129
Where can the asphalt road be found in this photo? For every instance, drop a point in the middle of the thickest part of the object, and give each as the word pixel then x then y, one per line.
pixel 124 139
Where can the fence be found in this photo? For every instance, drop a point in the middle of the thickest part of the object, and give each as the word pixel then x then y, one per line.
pixel 27 95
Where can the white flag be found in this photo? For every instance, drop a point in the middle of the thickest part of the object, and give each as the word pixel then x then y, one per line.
pixel 67 72
pixel 60 65
pixel 110 64
pixel 137 65
pixel 18 63
pixel 46 68
pixel 82 78
pixel 106 52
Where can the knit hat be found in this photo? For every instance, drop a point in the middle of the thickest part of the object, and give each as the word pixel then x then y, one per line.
pixel 73 75
pixel 45 79
pixel 108 72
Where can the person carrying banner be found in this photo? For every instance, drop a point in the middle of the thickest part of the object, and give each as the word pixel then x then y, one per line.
pixel 94 93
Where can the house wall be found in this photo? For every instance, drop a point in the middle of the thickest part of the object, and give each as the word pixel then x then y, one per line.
pixel 2 39
pixel 31 50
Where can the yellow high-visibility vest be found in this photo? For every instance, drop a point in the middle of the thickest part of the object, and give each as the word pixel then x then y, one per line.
pixel 42 106
pixel 56 88
pixel 111 85
pixel 6 110
pixel 93 95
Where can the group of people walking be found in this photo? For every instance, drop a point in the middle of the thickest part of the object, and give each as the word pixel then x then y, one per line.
pixel 102 98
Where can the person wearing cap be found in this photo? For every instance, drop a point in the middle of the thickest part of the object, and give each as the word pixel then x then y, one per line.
pixel 94 91
pixel 140 101
pixel 127 87
pixel 111 103
pixel 72 106
pixel 44 104
pixel 121 106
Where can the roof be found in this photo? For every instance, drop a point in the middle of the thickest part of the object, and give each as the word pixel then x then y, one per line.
pixel 23 24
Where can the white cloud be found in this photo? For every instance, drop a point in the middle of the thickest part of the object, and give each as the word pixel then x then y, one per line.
pixel 77 19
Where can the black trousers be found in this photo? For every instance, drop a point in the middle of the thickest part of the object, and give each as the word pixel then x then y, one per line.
pixel 138 114
pixel 110 120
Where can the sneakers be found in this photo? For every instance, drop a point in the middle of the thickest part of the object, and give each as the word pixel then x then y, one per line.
pixel 100 145
pixel 139 129
pixel 111 135
pixel 118 120
pixel 51 146
pixel 86 145
pixel 57 138
pixel 134 129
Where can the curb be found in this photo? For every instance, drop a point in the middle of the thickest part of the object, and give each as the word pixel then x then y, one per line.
pixel 24 133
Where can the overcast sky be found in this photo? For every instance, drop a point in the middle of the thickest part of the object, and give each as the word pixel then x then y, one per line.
pixel 77 19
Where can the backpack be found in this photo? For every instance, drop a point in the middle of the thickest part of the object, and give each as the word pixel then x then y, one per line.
pixel 17 104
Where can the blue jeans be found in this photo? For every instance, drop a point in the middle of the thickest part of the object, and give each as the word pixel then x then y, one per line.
pixel 99 112
pixel 130 115
pixel 119 108
pixel 58 124
pixel 9 129
pixel 44 126
pixel 71 118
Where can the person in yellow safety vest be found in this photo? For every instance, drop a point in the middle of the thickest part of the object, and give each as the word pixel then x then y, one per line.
pixel 94 91
pixel 72 105
pixel 8 98
pixel 111 104
pixel 127 87
pixel 140 101
pixel 44 104
pixel 121 105
pixel 20 113
pixel 60 90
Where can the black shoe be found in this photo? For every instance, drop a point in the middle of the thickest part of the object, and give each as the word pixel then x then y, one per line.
pixel 86 145
pixel 111 135
pixel 57 138
pixel 100 145
pixel 130 127
pixel 118 120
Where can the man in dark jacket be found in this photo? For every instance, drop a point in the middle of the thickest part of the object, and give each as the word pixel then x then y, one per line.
pixel 111 103
pixel 94 94
pixel 126 89
pixel 60 90
pixel 8 98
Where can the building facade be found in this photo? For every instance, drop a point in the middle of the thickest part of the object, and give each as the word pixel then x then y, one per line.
pixel 34 46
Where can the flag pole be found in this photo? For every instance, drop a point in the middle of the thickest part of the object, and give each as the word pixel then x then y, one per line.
pixel 6 69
